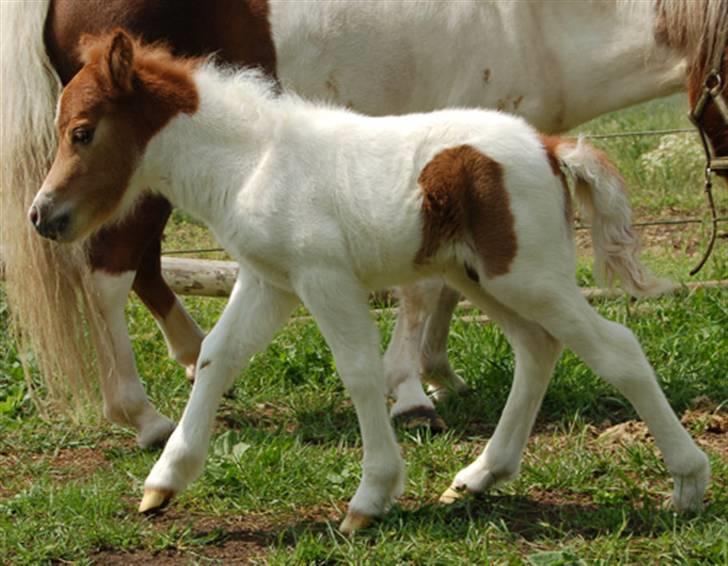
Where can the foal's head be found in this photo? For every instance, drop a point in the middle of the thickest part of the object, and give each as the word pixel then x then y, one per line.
pixel 123 95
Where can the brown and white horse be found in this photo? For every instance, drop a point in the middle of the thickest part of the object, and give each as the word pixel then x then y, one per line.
pixel 323 205
pixel 555 63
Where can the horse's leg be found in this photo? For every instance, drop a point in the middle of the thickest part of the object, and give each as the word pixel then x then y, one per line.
pixel 436 368
pixel 343 316
pixel 181 333
pixel 418 350
pixel 612 351
pixel 536 354
pixel 255 311
pixel 115 254
pixel 125 401
pixel 403 358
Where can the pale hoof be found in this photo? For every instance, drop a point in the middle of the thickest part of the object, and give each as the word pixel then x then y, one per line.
pixel 355 521
pixel 452 494
pixel 155 499
pixel 420 417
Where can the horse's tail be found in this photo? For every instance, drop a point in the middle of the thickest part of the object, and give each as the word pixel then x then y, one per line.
pixel 601 192
pixel 48 289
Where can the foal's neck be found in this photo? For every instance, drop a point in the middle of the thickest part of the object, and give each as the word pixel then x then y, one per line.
pixel 201 162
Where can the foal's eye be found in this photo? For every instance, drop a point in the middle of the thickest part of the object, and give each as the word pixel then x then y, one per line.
pixel 82 135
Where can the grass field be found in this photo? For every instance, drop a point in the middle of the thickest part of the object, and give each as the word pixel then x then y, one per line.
pixel 286 454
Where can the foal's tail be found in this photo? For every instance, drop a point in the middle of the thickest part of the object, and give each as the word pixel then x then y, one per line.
pixel 601 193
pixel 51 303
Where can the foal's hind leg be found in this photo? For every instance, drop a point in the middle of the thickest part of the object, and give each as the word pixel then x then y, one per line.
pixel 536 353
pixel 612 351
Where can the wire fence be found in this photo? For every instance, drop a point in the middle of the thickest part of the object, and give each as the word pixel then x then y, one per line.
pixel 634 134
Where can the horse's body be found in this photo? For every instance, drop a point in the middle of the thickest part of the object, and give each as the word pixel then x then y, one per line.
pixel 555 63
pixel 323 205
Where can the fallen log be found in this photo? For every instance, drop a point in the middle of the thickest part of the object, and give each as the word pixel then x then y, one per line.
pixel 199 277
pixel 214 278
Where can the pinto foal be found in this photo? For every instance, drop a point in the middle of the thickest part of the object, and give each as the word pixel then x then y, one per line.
pixel 322 205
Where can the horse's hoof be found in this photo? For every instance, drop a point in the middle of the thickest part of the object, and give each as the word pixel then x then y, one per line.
pixel 155 435
pixel 452 494
pixel 355 521
pixel 421 417
pixel 190 372
pixel 155 499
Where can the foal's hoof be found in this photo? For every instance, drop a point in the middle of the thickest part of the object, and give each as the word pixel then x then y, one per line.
pixel 155 499
pixel 452 494
pixel 355 521
pixel 687 496
pixel 420 417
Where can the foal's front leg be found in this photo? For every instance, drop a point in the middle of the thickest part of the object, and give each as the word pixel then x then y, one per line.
pixel 255 311
pixel 339 304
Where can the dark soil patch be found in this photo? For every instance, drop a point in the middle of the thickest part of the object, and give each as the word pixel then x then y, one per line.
pixel 64 464
pixel 241 539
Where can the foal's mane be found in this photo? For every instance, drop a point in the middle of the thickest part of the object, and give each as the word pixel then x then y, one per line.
pixel 93 48
pixel 158 59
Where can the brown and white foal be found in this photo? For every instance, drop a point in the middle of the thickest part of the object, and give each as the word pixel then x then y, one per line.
pixel 321 205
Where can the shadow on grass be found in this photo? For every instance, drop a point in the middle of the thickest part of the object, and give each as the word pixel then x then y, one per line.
pixel 542 517
pixel 329 424
pixel 533 518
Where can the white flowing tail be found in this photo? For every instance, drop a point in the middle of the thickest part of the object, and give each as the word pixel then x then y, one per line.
pixel 52 305
pixel 601 194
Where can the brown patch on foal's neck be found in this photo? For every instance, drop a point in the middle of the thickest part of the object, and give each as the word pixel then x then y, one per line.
pixel 464 197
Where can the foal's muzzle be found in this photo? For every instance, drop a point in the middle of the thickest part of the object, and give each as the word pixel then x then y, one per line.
pixel 47 220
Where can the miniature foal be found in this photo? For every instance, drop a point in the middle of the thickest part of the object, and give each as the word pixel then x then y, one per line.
pixel 322 204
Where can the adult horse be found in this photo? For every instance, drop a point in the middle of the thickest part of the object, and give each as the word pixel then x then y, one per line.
pixel 557 64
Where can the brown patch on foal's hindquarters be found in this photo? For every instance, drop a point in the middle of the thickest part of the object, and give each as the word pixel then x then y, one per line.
pixel 550 143
pixel 464 197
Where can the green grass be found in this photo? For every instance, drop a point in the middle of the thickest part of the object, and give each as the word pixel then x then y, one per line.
pixel 286 453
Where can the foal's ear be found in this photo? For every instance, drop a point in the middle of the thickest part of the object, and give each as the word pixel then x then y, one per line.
pixel 120 59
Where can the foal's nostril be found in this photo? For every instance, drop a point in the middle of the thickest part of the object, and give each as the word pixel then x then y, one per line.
pixel 34 215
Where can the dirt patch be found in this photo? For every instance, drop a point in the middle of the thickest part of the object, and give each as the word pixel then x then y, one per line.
pixel 236 539
pixel 624 434
pixel 708 428
pixel 63 464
